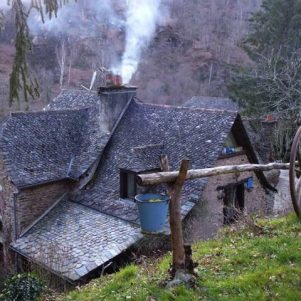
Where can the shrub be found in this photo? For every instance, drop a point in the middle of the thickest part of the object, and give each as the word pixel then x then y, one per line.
pixel 22 287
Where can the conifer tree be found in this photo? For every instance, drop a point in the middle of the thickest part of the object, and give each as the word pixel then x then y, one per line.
pixel 272 81
pixel 21 79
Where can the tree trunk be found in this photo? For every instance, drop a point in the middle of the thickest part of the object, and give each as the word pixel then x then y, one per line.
pixel 61 57
pixel 62 65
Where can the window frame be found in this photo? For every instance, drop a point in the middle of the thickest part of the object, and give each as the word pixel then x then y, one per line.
pixel 123 180
pixel 123 188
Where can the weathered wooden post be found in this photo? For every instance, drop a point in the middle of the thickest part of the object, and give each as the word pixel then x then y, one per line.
pixel 175 221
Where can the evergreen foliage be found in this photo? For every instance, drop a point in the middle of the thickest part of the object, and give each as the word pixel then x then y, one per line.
pixel 272 82
pixel 277 26
pixel 22 287
pixel 21 78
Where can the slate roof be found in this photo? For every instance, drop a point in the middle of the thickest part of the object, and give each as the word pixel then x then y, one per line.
pixel 196 134
pixel 207 102
pixel 144 157
pixel 41 147
pixel 74 99
pixel 73 240
pixel 239 128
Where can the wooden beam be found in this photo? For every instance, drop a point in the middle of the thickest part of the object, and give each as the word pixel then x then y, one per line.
pixel 171 176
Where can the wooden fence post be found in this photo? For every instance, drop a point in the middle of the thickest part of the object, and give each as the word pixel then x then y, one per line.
pixel 174 191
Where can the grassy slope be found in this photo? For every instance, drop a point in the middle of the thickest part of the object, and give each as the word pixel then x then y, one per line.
pixel 239 264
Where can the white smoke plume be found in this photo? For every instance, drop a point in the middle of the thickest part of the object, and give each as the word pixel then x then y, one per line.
pixel 82 19
pixel 79 19
pixel 4 5
pixel 141 21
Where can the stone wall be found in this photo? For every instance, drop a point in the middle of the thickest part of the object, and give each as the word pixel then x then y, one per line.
pixel 207 217
pixel 33 202
pixel 30 204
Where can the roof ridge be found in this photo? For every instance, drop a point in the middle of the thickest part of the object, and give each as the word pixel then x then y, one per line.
pixel 80 90
pixel 215 97
pixel 164 106
pixel 13 114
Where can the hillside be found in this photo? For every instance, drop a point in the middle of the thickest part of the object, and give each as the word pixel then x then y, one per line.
pixel 188 55
pixel 192 53
pixel 248 262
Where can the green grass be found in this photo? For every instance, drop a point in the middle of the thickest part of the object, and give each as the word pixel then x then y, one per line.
pixel 238 265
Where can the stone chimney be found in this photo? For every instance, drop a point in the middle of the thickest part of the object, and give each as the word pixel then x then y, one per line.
pixel 113 102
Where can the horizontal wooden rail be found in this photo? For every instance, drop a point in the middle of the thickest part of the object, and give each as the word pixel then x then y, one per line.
pixel 170 177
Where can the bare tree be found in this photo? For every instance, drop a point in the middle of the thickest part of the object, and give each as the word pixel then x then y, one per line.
pixel 71 57
pixel 61 58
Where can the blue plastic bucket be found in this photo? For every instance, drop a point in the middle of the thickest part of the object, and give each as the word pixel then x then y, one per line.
pixel 153 209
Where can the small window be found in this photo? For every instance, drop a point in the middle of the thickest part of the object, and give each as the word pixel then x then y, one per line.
pixel 128 184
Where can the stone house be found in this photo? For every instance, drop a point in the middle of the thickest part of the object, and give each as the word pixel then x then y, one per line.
pixel 68 176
